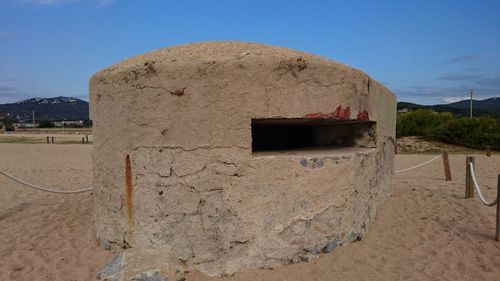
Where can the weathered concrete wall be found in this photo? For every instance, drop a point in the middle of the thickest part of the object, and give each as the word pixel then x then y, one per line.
pixel 174 170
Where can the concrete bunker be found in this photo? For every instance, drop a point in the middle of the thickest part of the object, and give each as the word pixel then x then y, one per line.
pixel 229 155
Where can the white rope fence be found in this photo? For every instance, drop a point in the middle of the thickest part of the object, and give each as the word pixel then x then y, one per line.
pixel 476 185
pixel 44 188
pixel 419 165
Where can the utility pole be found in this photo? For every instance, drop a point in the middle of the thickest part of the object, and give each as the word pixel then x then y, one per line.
pixel 471 93
pixel 33 118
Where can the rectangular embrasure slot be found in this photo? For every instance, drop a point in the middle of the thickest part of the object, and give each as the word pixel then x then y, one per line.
pixel 303 134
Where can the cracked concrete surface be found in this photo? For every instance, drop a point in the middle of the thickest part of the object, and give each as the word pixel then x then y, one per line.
pixel 183 117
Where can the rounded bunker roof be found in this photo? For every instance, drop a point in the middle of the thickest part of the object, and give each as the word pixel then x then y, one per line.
pixel 223 51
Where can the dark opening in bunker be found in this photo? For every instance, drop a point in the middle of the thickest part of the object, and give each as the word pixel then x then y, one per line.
pixel 301 134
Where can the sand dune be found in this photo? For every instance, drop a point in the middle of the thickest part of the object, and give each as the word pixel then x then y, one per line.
pixel 425 231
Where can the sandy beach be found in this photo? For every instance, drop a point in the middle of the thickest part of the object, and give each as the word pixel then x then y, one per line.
pixel 425 231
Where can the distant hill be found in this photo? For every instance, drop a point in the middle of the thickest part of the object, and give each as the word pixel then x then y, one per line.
pixel 54 109
pixel 489 106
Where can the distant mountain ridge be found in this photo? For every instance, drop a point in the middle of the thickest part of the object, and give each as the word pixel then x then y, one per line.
pixel 49 100
pixel 489 106
pixel 69 108
pixel 53 109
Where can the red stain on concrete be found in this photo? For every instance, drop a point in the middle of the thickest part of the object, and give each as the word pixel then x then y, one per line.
pixel 345 114
pixel 338 114
pixel 363 116
pixel 129 192
pixel 317 115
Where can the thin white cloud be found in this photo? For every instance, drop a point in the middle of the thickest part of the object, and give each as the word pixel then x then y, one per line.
pixel 457 77
pixel 435 95
pixel 51 2
pixel 99 3
pixel 6 35
pixel 5 88
pixel 9 94
pixel 491 81
pixel 461 58
pixel 102 3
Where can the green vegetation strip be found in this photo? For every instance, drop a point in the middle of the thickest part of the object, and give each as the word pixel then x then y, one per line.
pixel 477 132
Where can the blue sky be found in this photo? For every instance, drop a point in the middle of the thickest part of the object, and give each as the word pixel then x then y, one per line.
pixel 425 51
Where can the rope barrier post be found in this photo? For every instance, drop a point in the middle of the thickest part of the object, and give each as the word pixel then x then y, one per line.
pixel 52 139
pixel 87 138
pixel 488 151
pixel 47 139
pixel 83 140
pixel 446 163
pixel 497 235
pixel 469 185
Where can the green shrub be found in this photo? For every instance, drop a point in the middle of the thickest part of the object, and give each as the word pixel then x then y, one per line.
pixel 475 132
pixel 421 123
pixel 472 132
pixel 45 124
pixel 5 121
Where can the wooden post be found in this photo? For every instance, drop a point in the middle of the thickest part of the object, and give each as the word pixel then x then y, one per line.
pixel 52 139
pixel 488 151
pixel 83 140
pixel 497 235
pixel 469 185
pixel 446 163
pixel 87 138
pixel 48 139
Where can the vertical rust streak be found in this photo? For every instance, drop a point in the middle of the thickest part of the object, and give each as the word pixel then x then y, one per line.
pixel 129 192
